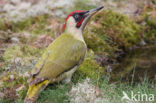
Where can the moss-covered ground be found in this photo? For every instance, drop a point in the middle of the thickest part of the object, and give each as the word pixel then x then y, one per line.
pixel 116 44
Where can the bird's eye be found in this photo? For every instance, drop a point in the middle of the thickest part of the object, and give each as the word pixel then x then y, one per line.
pixel 76 16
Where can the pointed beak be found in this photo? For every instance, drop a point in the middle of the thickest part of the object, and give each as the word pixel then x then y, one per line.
pixel 93 11
pixel 89 14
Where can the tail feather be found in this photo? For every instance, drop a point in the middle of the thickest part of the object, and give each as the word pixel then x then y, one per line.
pixel 34 91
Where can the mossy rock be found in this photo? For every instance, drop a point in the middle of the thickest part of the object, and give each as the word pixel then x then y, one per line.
pixel 90 67
pixel 109 31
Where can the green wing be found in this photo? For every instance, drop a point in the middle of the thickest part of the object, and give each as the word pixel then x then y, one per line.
pixel 61 55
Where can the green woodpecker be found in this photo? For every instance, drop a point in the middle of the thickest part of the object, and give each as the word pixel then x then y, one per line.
pixel 63 55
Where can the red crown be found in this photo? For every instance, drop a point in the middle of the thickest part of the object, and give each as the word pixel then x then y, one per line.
pixel 76 11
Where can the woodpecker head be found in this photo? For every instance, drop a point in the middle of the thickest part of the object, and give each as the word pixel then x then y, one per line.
pixel 79 18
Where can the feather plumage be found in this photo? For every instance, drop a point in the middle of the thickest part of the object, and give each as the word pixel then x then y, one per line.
pixel 61 56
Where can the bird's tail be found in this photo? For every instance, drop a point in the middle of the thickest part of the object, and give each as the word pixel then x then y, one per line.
pixel 34 91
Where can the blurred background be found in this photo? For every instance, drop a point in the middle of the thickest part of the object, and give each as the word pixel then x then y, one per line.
pixel 121 42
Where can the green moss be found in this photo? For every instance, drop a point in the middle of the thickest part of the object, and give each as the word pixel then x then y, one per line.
pixel 113 30
pixel 98 45
pixel 17 80
pixel 151 21
pixel 147 20
pixel 90 67
pixel 2 24
pixel 12 84
pixel 82 5
pixel 35 25
pixel 23 51
pixel 150 28
pixel 39 31
pixel 40 21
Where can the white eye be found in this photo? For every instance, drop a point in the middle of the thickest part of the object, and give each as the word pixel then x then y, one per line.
pixel 76 16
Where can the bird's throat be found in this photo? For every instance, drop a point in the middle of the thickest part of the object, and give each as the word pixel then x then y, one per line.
pixel 76 33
